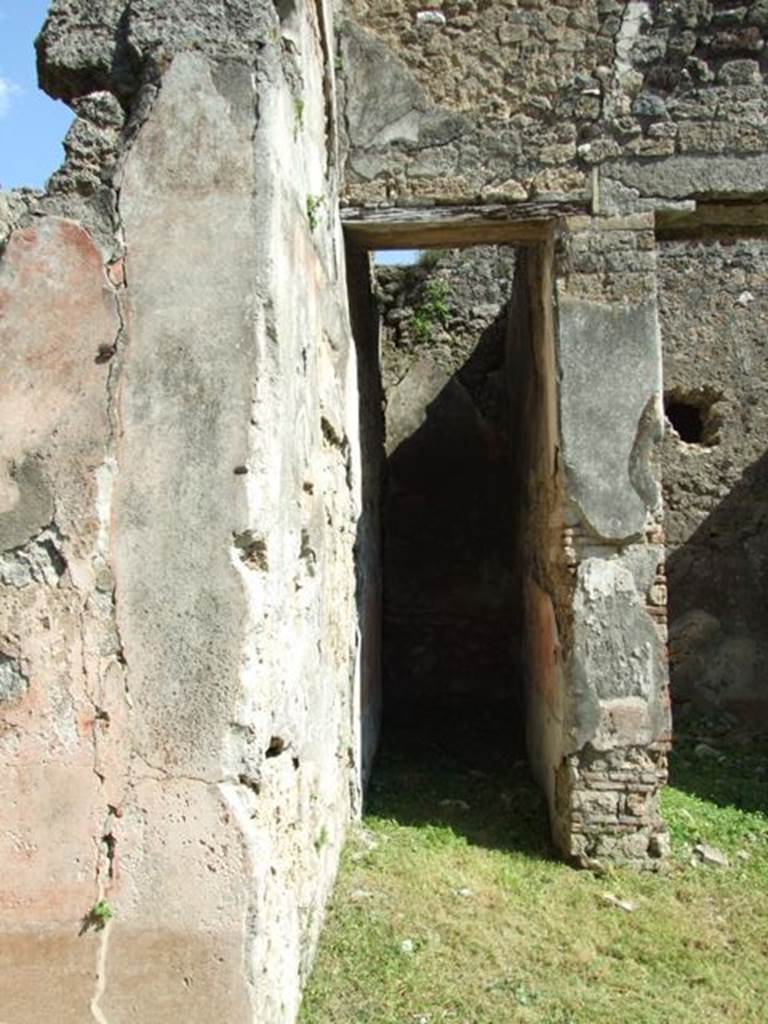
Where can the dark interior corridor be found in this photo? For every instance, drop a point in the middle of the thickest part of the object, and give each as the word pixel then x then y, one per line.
pixel 451 617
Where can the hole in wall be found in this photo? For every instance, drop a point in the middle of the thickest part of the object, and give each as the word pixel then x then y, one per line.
pixel 286 9
pixel 290 26
pixel 276 747
pixel 110 846
pixel 687 420
pixel 694 415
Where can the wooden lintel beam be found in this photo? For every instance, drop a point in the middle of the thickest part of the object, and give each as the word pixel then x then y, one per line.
pixel 452 226
pixel 529 223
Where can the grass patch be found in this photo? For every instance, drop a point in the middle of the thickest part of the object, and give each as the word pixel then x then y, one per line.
pixel 450 906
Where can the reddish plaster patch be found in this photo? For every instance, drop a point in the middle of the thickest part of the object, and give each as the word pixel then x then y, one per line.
pixel 56 309
pixel 543 643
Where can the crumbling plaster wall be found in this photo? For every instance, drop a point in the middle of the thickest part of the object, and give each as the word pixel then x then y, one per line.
pixel 180 493
pixel 616 704
pixel 584 379
pixel 573 100
pixel 714 310
pixel 183 550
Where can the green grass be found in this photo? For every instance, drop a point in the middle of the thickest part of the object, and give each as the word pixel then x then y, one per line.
pixel 459 912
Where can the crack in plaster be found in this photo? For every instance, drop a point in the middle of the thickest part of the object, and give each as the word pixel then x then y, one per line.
pixel 101 971
pixel 233 797
pixel 163 775
pixel 329 95
pixel 105 479
pixel 102 950
pixel 97 710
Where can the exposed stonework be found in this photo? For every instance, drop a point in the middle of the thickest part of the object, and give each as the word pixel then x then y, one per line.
pixel 588 542
pixel 583 554
pixel 714 306
pixel 192 445
pixel 577 99
pixel 610 804
pixel 64 720
pixel 616 699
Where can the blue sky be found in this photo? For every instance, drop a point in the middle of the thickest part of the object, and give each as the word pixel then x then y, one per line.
pixel 32 126
pixel 390 256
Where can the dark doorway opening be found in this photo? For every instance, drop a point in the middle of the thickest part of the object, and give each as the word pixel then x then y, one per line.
pixel 460 480
pixel 451 617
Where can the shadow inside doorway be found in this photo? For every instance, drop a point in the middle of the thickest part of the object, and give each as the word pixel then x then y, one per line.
pixel 450 769
pixel 452 750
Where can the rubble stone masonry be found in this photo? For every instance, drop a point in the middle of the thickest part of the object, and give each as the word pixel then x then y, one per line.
pixel 190 569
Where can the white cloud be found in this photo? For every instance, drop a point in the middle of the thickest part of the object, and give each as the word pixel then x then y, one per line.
pixel 7 91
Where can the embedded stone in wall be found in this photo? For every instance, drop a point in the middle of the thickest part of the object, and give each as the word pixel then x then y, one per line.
pixel 609 805
pixel 13 682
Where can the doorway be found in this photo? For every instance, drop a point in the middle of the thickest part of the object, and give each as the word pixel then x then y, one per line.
pixel 454 421
pixel 451 616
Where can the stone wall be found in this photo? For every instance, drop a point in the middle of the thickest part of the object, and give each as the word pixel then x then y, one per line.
pixel 578 99
pixel 639 116
pixel 616 701
pixel 189 553
pixel 181 489
pixel 714 310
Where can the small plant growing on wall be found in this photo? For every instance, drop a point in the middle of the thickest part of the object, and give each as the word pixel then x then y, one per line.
pixel 98 917
pixel 432 312
pixel 429 258
pixel 321 839
pixel 313 209
pixel 298 116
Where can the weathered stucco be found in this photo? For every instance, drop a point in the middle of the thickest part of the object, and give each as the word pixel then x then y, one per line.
pixel 713 303
pixel 612 375
pixel 617 723
pixel 181 489
pixel 192 446
pixel 60 654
